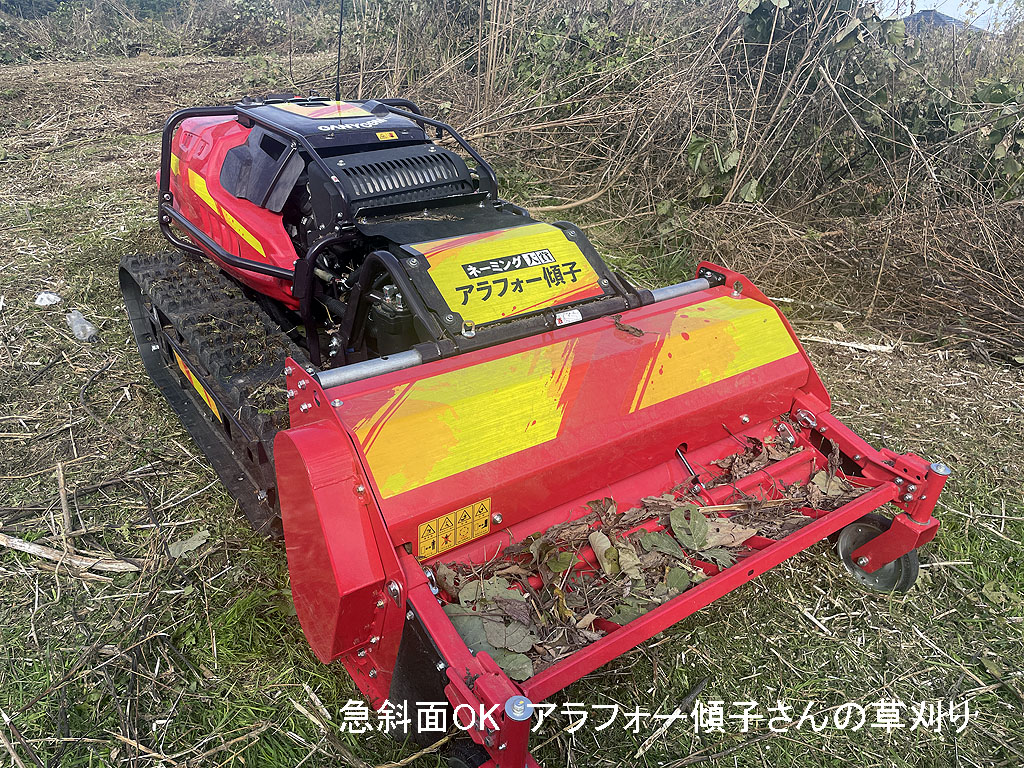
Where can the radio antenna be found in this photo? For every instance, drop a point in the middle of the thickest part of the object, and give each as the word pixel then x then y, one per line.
pixel 337 78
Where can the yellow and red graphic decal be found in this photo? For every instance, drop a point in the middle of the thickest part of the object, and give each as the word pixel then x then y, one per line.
pixel 434 428
pixel 487 276
pixel 708 343
pixel 325 110
pixel 386 135
pixel 430 429
pixel 198 184
pixel 453 529
pixel 211 404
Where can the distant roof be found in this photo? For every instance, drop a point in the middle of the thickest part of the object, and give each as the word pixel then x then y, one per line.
pixel 933 18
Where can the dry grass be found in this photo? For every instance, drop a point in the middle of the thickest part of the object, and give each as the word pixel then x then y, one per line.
pixel 199 660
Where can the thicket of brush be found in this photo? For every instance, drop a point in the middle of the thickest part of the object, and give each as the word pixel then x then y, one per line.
pixel 834 156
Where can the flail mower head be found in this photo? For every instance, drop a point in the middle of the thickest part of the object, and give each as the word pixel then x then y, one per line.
pixel 463 383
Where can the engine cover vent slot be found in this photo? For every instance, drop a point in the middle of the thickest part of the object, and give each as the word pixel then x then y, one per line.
pixel 402 175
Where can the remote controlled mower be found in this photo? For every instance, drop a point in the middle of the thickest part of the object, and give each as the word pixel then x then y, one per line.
pixel 396 368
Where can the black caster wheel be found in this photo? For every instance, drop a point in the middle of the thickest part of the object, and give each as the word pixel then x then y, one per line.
pixel 466 753
pixel 897 576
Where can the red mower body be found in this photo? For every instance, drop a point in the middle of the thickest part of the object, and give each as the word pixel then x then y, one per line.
pixel 237 225
pixel 456 459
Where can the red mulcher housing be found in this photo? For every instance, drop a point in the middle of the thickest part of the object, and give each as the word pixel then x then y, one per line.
pixel 460 376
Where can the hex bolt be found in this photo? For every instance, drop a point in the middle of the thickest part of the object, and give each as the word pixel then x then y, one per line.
pixel 496 518
pixel 441 666
pixel 908 497
pixel 372 673
pixel 857 457
pixel 898 481
pixel 862 561
pixel 413 262
pixel 361 653
pixel 288 370
pixel 449 318
pixel 360 489
pixel 305 407
pixel 409 615
pixel 744 419
pixel 302 383
pixel 380 603
pixel 911 487
pixel 374 640
pixel 337 403
pixel 291 393
pixel 518 708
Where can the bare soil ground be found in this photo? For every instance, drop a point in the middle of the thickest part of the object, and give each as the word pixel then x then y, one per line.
pixel 198 659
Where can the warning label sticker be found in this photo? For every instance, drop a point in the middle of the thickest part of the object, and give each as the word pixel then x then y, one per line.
pixel 454 528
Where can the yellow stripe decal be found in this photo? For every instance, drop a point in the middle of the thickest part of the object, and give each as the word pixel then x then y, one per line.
pixel 198 387
pixel 244 233
pixel 174 164
pixel 198 184
pixel 709 342
pixel 434 428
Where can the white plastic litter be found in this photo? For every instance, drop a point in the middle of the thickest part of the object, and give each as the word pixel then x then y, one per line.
pixel 47 299
pixel 82 328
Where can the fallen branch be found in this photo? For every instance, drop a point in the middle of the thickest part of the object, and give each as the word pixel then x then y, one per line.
pixel 849 344
pixel 77 561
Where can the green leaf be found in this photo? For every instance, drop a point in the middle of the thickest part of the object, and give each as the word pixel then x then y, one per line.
pixel 1000 594
pixel 750 191
pixel 540 548
pixel 698 527
pixel 629 609
pixel 719 556
pixel 607 555
pixel 629 563
pixel 514 636
pixel 192 543
pixel 516 665
pixel 659 541
pixel 679 520
pixel 677 579
pixel 488 590
pixel 470 627
pixel 561 562
pixel 749 6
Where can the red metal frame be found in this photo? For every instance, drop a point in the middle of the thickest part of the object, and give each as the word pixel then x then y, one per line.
pixel 353 578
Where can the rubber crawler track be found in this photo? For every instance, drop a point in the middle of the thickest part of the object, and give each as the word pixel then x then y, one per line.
pixel 238 352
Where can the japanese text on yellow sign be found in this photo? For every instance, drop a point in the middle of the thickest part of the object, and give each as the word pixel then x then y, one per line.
pixel 487 276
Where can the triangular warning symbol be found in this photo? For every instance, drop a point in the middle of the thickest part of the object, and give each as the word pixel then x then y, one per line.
pixel 427 531
pixel 482 509
pixel 446 523
pixel 464 516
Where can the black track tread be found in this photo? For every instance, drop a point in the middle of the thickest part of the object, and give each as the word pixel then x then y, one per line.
pixel 238 347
